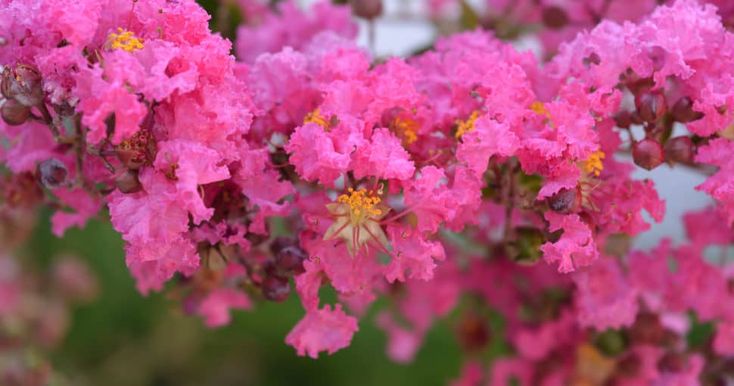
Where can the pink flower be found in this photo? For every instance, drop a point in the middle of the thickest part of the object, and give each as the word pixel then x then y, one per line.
pixel 384 157
pixel 322 330
pixel 576 247
pixel 313 154
pixel 604 298
pixel 412 256
pixel 215 308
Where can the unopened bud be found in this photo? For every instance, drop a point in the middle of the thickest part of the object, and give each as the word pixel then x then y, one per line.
pixel 52 173
pixel 679 149
pixel 128 182
pixel 554 17
pixel 683 111
pixel 623 119
pixel 14 113
pixel 276 288
pixel 24 84
pixel 647 154
pixel 367 9
pixel 649 107
pixel 564 201
pixel 290 259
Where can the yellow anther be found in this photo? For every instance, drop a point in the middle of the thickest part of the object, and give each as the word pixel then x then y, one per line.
pixel 463 127
pixel 593 164
pixel 357 216
pixel 124 40
pixel 539 108
pixel 362 204
pixel 407 129
pixel 316 117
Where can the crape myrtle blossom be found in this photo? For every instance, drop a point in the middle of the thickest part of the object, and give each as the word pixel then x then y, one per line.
pixel 437 182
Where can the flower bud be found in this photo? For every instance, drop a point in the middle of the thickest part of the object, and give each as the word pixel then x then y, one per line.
pixel 131 158
pixel 367 9
pixel 128 182
pixel 52 173
pixel 554 17
pixel 473 332
pixel 564 201
pixel 679 149
pixel 623 119
pixel 647 154
pixel 290 259
pixel 24 84
pixel 14 113
pixel 672 362
pixel 647 107
pixel 275 288
pixel 683 111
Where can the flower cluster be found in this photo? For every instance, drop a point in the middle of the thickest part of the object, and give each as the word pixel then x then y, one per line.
pixel 437 182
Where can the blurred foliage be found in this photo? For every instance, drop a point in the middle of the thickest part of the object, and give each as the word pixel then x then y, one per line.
pixel 126 339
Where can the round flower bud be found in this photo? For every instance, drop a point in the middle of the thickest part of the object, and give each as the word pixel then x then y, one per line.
pixel 14 113
pixel 367 9
pixel 672 362
pixel 52 173
pixel 275 288
pixel 128 182
pixel 473 332
pixel 648 107
pixel 554 17
pixel 683 111
pixel 24 84
pixel 679 149
pixel 565 201
pixel 623 119
pixel 647 154
pixel 290 259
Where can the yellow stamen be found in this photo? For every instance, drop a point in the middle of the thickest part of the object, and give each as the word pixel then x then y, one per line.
pixel 539 108
pixel 316 117
pixel 361 204
pixel 357 216
pixel 407 129
pixel 593 164
pixel 124 40
pixel 463 127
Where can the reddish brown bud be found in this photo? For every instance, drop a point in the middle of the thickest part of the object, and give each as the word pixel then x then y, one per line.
pixel 565 201
pixel 367 9
pixel 52 173
pixel 649 107
pixel 14 113
pixel 623 119
pixel 672 362
pixel 473 332
pixel 128 182
pixel 24 84
pixel 290 259
pixel 276 288
pixel 554 17
pixel 647 154
pixel 683 111
pixel 679 149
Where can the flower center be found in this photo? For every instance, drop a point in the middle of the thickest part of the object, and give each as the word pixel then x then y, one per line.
pixel 124 40
pixel 362 205
pixel 407 129
pixel 593 164
pixel 539 108
pixel 316 117
pixel 463 127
